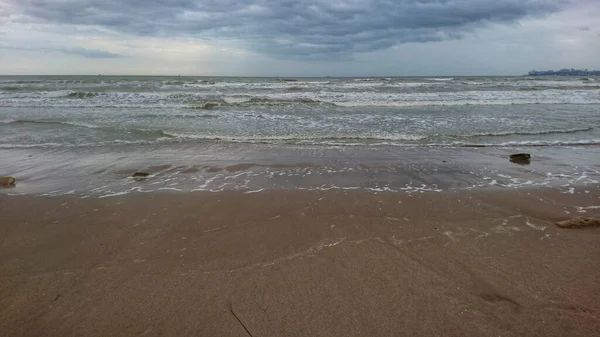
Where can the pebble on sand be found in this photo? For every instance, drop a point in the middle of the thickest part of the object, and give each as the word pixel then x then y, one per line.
pixel 140 174
pixel 520 158
pixel 7 181
pixel 579 222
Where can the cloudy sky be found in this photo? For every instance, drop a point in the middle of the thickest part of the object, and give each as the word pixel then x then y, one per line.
pixel 297 37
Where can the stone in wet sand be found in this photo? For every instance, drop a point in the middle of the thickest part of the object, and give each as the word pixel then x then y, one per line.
pixel 579 222
pixel 7 182
pixel 520 158
pixel 140 175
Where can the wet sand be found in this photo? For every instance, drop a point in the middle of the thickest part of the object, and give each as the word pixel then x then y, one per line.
pixel 215 167
pixel 293 263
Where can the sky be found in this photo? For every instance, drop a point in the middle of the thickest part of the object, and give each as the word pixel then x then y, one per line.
pixel 297 37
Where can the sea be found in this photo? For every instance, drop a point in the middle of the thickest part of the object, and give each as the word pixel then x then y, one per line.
pixel 86 135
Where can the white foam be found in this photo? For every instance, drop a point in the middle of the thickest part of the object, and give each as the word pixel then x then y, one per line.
pixel 534 226
pixel 115 194
pixel 583 209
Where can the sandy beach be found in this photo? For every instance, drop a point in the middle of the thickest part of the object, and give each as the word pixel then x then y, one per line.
pixel 296 263
pixel 299 168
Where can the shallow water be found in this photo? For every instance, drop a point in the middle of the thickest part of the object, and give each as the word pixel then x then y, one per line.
pixel 106 171
pixel 103 110
pixel 86 134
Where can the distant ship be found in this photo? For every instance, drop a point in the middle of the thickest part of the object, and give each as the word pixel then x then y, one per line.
pixel 565 72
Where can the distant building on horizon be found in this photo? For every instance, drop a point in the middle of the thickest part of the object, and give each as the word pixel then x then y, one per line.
pixel 565 72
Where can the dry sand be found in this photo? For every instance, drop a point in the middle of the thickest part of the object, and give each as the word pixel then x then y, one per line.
pixel 486 263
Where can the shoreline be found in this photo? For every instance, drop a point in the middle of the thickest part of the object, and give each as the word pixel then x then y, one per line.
pixel 226 167
pixel 299 263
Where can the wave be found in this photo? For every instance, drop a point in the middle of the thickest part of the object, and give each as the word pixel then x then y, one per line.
pixel 71 145
pixel 529 143
pixel 26 81
pixel 434 103
pixel 209 104
pixel 269 101
pixel 571 88
pixel 298 139
pixel 30 146
pixel 176 82
pixel 139 131
pixel 167 115
pixel 317 142
pixel 82 94
pixel 41 121
pixel 541 79
pixel 526 133
pixel 150 136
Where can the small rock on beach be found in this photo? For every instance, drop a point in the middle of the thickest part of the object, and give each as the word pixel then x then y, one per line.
pixel 7 181
pixel 520 158
pixel 140 174
pixel 579 222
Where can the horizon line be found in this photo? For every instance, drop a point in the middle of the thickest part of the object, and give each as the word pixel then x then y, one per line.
pixel 262 76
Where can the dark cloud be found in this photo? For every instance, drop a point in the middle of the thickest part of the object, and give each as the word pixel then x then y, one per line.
pixel 311 28
pixel 88 53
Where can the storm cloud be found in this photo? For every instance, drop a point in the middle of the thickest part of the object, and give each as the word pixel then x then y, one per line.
pixel 300 28
pixel 87 53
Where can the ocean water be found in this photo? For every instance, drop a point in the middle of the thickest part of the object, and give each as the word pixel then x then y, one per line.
pixel 95 129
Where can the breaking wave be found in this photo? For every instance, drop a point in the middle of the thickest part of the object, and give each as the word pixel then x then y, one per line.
pixel 210 104
pixel 299 139
pixel 140 131
pixel 527 133
pixel 529 143
pixel 82 94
